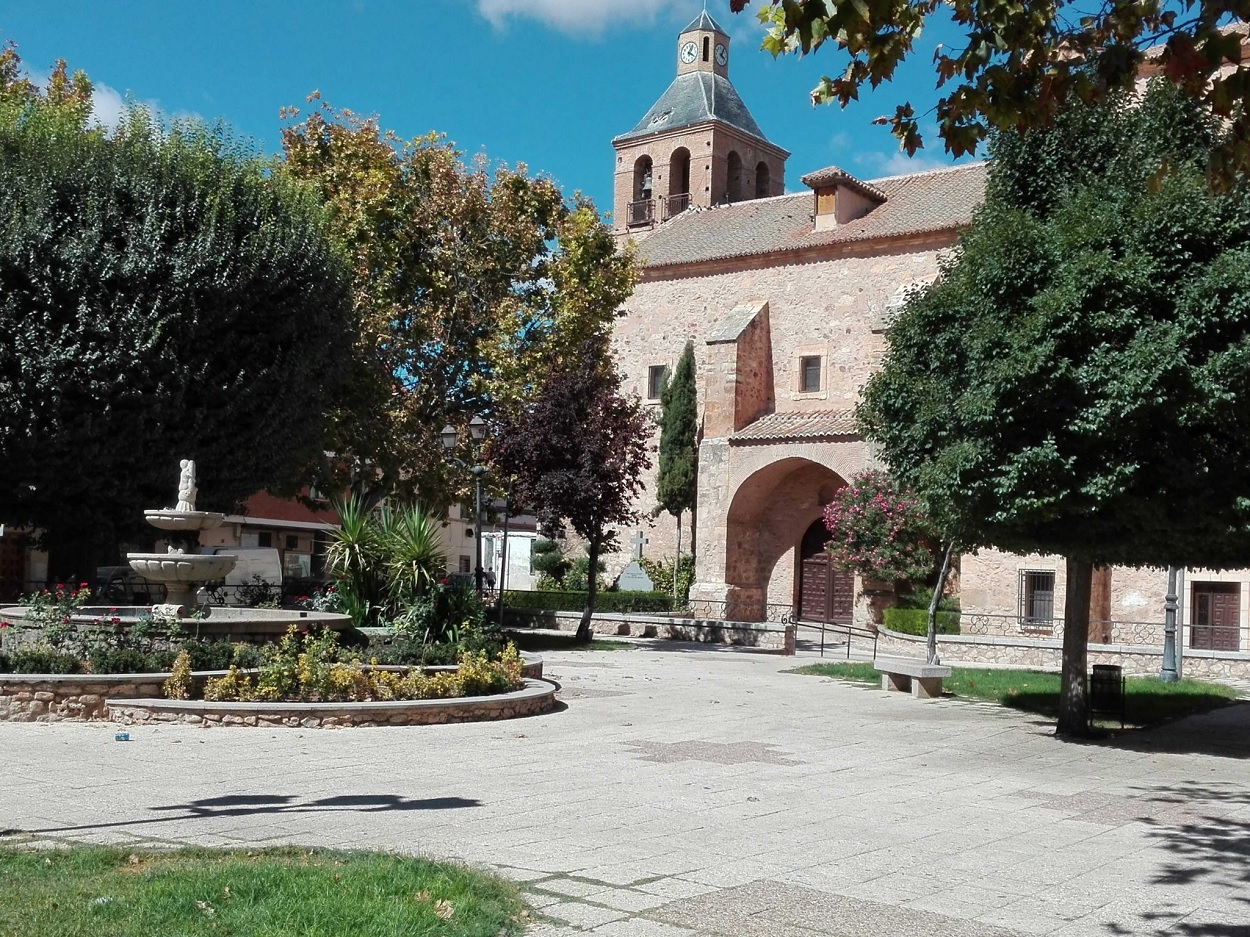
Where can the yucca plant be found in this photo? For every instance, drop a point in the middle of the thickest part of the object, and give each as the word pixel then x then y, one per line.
pixel 414 554
pixel 357 558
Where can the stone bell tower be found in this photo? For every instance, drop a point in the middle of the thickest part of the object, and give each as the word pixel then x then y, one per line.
pixel 698 146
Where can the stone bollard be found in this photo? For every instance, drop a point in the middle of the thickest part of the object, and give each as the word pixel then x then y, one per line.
pixel 788 649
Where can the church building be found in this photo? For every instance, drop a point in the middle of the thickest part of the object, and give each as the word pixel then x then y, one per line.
pixel 786 298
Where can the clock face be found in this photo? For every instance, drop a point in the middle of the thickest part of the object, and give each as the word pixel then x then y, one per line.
pixel 722 54
pixel 688 53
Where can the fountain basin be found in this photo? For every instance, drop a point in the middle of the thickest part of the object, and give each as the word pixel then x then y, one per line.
pixel 214 621
pixel 183 520
pixel 182 567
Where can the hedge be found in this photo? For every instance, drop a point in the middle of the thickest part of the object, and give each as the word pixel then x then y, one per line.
pixel 916 621
pixel 641 602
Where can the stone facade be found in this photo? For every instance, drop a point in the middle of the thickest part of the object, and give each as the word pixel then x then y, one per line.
pixel 70 697
pixel 1126 609
pixel 751 328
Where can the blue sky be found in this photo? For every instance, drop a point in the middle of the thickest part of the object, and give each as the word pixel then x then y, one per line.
pixel 544 82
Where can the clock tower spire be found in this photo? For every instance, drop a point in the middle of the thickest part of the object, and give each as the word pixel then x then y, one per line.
pixel 698 146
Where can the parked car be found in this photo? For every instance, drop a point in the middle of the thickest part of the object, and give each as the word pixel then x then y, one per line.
pixel 121 585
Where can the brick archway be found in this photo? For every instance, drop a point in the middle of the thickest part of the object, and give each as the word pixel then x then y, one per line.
pixel 770 513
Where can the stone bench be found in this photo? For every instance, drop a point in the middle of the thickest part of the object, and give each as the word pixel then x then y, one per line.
pixel 923 681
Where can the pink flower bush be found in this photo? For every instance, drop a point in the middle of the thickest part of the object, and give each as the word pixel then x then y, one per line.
pixel 879 531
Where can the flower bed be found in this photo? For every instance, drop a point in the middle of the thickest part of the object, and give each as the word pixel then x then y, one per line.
pixel 533 698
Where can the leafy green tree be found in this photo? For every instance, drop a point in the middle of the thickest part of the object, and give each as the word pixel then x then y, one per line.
pixel 1078 381
pixel 1019 64
pixel 578 453
pixel 678 481
pixel 161 297
pixel 549 561
pixel 469 285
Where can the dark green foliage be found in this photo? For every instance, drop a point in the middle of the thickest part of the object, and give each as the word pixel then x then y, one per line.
pixel 625 602
pixel 1078 382
pixel 661 573
pixel 677 482
pixel 548 559
pixel 160 298
pixel 128 660
pixel 39 658
pixel 921 596
pixel 221 655
pixel 406 648
pixel 916 621
pixel 577 579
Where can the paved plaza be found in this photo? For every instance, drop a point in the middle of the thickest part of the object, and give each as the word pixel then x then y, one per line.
pixel 687 791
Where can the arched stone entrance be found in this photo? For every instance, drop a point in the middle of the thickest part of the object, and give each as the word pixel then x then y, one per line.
pixel 768 518
pixel 825 593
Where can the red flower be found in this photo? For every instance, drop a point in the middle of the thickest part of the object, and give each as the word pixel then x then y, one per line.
pixel 83 585
pixel 5 624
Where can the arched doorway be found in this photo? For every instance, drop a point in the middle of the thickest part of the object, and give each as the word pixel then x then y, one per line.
pixel 678 182
pixel 825 593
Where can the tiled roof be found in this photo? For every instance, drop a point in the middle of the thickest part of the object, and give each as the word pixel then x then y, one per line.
pixel 811 424
pixel 695 98
pixel 835 175
pixel 918 203
pixel 705 22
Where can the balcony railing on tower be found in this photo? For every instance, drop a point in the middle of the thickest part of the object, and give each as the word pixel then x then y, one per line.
pixel 641 212
pixel 676 204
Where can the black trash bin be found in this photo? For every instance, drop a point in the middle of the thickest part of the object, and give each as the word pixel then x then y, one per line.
pixel 1106 691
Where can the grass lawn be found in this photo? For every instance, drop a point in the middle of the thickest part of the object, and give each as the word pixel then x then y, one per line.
pixel 1147 700
pixel 526 641
pixel 93 891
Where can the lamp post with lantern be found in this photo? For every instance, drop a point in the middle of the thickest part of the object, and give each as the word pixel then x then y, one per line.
pixel 477 434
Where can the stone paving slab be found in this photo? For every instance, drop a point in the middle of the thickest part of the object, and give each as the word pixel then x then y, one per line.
pixel 692 793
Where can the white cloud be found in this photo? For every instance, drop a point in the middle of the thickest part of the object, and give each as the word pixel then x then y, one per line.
pixel 899 163
pixel 107 105
pixel 571 15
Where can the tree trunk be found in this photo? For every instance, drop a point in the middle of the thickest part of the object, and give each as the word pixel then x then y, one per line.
pixel 583 628
pixel 1073 699
pixel 931 631
pixel 677 559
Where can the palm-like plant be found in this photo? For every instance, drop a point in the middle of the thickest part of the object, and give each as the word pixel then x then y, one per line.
pixel 414 554
pixel 356 557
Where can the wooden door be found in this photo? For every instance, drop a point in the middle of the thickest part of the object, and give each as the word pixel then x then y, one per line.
pixel 1215 617
pixel 825 594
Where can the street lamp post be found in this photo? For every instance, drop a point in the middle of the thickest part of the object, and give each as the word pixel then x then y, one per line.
pixel 477 433
pixel 1170 674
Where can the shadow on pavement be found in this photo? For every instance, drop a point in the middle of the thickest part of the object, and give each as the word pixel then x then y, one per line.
pixel 247 805
pixel 1221 733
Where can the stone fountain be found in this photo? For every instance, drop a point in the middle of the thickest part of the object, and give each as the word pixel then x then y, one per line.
pixel 182 573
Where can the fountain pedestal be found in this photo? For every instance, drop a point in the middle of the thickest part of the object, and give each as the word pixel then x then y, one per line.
pixel 182 573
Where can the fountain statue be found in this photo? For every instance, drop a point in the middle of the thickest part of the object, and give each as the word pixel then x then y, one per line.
pixel 182 573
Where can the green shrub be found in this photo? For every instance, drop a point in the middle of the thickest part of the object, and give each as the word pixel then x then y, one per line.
pixel 661 574
pixel 916 621
pixel 39 658
pixel 222 655
pixel 128 660
pixel 624 602
pixel 921 596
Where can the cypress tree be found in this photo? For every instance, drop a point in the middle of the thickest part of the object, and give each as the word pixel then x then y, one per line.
pixel 677 484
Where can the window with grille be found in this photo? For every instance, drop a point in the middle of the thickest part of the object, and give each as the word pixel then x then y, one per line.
pixel 809 374
pixel 656 375
pixel 1037 599
pixel 465 567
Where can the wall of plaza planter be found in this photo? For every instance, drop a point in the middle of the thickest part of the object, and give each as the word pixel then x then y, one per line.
pixel 763 635
pixel 1047 654
pixel 81 697
pixel 535 698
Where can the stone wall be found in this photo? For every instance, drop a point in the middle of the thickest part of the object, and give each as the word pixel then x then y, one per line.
pixel 1047 654
pixel 78 697
pixel 763 635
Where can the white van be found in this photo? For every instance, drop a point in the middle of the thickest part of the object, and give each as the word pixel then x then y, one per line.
pixel 257 576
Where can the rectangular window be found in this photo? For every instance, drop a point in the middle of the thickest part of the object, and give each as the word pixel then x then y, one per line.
pixel 809 374
pixel 656 375
pixel 465 566
pixel 264 539
pixel 1037 599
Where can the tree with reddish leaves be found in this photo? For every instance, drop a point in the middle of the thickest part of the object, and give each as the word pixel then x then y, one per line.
pixel 578 453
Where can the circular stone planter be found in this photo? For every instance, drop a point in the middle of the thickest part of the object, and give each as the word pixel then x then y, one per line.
pixel 535 698
pixel 85 697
